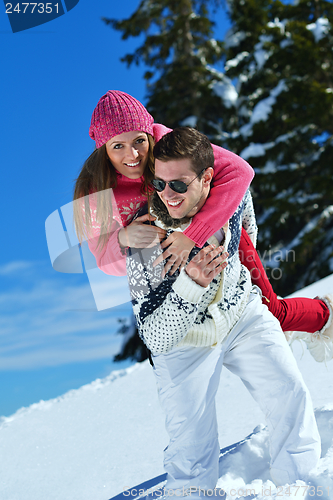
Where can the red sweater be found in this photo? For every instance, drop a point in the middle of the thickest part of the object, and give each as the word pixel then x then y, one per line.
pixel 232 177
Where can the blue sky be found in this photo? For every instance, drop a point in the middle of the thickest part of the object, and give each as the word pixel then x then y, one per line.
pixel 52 337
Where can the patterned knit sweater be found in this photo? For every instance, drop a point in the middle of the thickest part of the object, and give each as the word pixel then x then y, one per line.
pixel 176 311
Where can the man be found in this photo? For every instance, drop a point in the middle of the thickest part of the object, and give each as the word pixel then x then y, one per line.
pixel 209 315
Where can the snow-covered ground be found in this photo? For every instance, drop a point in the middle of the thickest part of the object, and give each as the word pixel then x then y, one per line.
pixel 108 437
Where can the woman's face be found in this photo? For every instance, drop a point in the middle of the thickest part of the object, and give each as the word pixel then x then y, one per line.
pixel 128 153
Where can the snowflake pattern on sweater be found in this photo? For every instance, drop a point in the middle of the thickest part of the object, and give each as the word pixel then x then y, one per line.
pixel 177 311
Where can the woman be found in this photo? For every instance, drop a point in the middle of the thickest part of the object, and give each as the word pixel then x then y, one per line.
pixel 115 182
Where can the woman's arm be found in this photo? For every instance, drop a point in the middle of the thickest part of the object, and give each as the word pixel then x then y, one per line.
pixel 111 258
pixel 232 177
pixel 110 252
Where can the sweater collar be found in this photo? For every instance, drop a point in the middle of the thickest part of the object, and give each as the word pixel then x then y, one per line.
pixel 122 178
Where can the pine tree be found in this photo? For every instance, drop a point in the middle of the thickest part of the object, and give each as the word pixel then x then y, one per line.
pixel 180 52
pixel 132 346
pixel 281 57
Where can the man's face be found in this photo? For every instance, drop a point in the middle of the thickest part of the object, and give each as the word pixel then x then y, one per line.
pixel 187 204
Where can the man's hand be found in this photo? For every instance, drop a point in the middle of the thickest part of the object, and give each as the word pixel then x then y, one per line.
pixel 178 248
pixel 139 235
pixel 207 264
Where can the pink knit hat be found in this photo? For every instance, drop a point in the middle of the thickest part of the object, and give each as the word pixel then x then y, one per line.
pixel 115 113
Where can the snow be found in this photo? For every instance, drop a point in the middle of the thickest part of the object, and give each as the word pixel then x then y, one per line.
pixel 226 91
pixel 269 168
pixel 190 121
pixel 258 149
pixel 232 63
pixel 320 28
pixel 253 151
pixel 260 54
pixel 246 130
pixel 108 437
pixel 265 215
pixel 264 107
pixel 278 24
pixel 261 112
pixel 234 39
pixel 286 43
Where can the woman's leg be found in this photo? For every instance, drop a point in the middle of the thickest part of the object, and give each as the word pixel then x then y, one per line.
pixel 299 314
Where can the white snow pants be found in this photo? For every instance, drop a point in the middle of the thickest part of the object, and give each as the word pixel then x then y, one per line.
pixel 188 377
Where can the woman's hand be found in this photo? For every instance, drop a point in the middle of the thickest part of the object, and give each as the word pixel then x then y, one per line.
pixel 139 235
pixel 178 248
pixel 207 264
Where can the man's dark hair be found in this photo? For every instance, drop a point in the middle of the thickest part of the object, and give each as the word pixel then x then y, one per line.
pixel 185 142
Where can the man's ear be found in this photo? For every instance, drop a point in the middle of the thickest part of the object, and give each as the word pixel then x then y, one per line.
pixel 208 175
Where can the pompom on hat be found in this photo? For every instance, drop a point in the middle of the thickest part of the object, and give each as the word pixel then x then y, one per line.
pixel 115 113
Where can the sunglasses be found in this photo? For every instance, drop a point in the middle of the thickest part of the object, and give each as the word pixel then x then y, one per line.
pixel 177 186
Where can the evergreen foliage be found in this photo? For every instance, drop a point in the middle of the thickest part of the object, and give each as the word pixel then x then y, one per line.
pixel 180 50
pixel 282 57
pixel 132 347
